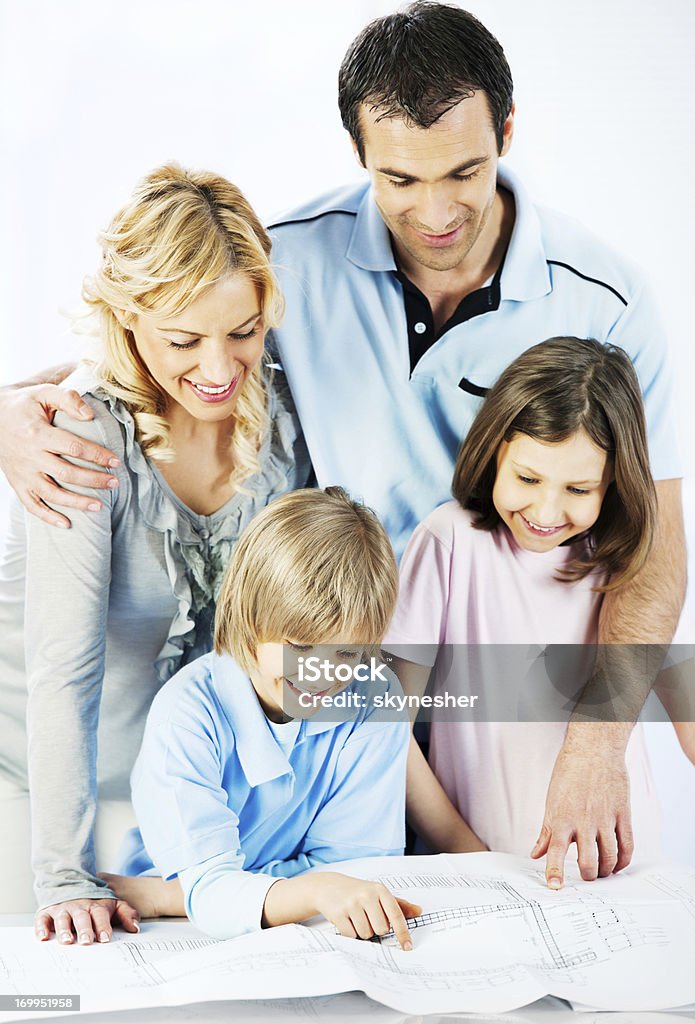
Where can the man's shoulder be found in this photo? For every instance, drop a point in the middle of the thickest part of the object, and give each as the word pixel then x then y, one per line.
pixel 578 257
pixel 339 202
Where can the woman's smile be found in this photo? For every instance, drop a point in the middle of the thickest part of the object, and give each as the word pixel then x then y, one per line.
pixel 214 393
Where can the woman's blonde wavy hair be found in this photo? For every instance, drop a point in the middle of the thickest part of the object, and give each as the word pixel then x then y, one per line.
pixel 180 232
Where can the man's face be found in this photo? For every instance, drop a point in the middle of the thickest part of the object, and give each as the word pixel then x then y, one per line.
pixel 435 187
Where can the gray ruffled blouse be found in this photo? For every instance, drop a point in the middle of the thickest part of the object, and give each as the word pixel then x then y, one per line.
pixel 96 618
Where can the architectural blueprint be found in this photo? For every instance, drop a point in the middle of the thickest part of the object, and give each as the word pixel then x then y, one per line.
pixel 491 938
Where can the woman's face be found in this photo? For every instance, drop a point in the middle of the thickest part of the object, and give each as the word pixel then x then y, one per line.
pixel 547 493
pixel 202 356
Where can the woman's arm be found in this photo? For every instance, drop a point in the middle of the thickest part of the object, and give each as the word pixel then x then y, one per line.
pixel 66 607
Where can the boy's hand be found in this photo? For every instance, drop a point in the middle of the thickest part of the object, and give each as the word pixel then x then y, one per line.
pixel 361 909
pixel 85 918
pixel 31 449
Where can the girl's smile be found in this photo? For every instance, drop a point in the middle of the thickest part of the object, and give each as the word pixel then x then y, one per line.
pixel 543 531
pixel 548 493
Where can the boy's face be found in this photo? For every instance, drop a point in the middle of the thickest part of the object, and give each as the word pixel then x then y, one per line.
pixel 278 681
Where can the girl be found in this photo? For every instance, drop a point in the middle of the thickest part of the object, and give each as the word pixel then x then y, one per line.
pixel 554 505
pixel 94 619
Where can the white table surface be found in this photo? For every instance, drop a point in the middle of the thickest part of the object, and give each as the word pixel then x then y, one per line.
pixel 346 1008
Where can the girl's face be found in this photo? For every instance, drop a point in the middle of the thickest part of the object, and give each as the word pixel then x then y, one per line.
pixel 202 356
pixel 547 493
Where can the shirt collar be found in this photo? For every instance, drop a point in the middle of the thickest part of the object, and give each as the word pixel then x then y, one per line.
pixel 370 242
pixel 525 273
pixel 260 755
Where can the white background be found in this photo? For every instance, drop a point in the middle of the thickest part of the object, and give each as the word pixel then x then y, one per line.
pixel 94 94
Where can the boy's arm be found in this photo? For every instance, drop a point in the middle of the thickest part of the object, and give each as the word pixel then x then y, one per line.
pixel 31 448
pixel 185 819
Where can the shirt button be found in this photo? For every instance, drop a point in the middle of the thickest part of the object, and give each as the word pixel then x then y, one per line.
pixel 204 534
pixel 420 328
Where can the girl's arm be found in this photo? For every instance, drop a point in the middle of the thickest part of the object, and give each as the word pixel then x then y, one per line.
pixel 429 810
pixel 431 813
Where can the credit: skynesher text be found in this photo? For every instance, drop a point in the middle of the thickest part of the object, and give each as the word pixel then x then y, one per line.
pixel 390 701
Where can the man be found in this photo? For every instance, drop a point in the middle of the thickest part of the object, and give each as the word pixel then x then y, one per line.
pixel 405 300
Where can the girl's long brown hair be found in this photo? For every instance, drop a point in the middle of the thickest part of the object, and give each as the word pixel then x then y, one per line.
pixel 549 392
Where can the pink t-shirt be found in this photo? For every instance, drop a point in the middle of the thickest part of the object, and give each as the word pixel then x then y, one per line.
pixel 459 585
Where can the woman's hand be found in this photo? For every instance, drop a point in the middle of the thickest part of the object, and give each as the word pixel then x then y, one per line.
pixel 31 449
pixel 85 919
pixel 360 909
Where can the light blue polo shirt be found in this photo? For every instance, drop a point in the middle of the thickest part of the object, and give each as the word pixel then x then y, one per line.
pixel 389 435
pixel 229 801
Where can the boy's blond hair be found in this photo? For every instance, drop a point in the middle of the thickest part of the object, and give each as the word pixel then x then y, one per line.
pixel 311 566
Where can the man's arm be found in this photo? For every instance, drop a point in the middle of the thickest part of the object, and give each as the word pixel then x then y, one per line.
pixel 54 375
pixel 32 449
pixel 588 797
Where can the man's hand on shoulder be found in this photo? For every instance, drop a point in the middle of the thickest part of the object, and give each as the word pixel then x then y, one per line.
pixel 32 450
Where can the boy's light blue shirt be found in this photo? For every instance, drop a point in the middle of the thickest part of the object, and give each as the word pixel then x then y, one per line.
pixel 390 435
pixel 229 802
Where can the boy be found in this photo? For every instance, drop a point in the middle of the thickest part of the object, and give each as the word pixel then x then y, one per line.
pixel 236 794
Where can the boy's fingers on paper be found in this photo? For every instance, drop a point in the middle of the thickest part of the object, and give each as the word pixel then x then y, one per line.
pixel 345 928
pixel 360 922
pixel 377 919
pixel 398 922
pixel 587 855
pixel 410 909
pixel 607 852
pixel 626 843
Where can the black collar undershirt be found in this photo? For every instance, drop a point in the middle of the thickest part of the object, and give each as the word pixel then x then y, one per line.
pixel 418 312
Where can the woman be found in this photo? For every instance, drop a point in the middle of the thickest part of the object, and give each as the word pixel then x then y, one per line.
pixel 96 618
